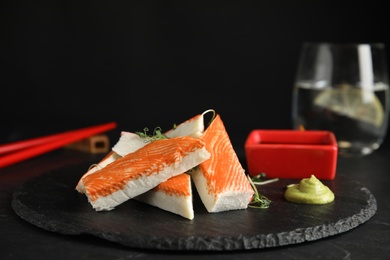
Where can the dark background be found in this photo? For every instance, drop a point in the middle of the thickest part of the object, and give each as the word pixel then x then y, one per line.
pixel 70 64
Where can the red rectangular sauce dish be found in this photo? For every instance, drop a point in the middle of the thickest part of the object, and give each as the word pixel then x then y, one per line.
pixel 294 154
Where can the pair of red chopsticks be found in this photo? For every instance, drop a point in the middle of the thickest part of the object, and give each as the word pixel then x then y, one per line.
pixel 25 149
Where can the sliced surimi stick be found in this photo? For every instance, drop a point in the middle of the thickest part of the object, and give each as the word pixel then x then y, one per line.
pixel 142 170
pixel 174 195
pixel 221 181
pixel 130 142
pixel 193 127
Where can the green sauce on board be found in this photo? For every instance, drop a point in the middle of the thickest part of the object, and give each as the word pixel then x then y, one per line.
pixel 309 191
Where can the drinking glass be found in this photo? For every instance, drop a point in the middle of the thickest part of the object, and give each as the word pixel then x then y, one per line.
pixel 343 88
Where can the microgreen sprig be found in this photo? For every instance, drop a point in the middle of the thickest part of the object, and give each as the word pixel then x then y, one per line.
pixel 259 179
pixel 258 200
pixel 157 134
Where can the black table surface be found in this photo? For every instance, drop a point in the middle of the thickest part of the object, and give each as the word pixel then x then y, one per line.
pixel 21 240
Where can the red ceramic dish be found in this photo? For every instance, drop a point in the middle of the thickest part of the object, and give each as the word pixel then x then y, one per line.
pixel 292 153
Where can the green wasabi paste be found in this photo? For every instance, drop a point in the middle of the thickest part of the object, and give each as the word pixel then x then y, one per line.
pixel 309 191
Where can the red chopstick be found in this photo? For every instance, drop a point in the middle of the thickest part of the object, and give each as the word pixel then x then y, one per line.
pixel 23 150
pixel 23 144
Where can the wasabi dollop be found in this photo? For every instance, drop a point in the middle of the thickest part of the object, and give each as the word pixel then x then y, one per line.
pixel 309 191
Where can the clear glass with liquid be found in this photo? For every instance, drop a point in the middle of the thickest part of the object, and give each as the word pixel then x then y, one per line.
pixel 339 91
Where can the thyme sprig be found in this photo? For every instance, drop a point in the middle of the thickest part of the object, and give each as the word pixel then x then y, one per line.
pixel 258 201
pixel 157 134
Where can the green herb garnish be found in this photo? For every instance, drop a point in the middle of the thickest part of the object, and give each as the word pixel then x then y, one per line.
pixel 259 179
pixel 258 200
pixel 157 134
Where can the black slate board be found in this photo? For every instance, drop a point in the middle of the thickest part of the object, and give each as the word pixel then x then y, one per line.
pixel 51 202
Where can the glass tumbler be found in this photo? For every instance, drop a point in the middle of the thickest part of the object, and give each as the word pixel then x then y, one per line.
pixel 343 88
